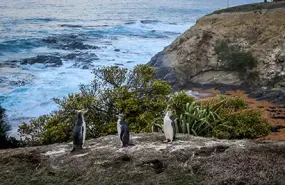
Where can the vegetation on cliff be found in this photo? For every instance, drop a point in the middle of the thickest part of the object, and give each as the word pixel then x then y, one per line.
pixel 234 58
pixel 142 99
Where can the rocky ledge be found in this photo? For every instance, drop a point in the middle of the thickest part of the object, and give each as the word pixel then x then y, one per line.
pixel 256 28
pixel 189 160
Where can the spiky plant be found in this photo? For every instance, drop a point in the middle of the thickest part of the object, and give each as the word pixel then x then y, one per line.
pixel 199 120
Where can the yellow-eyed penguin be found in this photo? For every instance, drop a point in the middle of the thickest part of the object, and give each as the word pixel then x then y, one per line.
pixel 123 130
pixel 79 132
pixel 169 128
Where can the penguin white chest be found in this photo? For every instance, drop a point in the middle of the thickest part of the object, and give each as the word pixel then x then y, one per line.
pixel 84 132
pixel 167 128
pixel 119 128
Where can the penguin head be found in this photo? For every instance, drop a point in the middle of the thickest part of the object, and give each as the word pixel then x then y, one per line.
pixel 120 116
pixel 81 112
pixel 169 112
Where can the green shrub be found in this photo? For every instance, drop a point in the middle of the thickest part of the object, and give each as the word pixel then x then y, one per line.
pixel 247 123
pixel 5 140
pixel 114 90
pixel 198 120
pixel 223 117
pixel 227 102
pixel 234 58
pixel 178 100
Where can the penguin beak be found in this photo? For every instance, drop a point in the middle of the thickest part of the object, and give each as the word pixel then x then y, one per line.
pixel 85 111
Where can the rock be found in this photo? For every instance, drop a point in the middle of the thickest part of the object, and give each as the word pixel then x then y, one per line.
pixel 49 61
pixel 281 57
pixel 10 64
pixel 117 50
pixel 118 64
pixel 71 26
pixel 82 60
pixel 189 159
pixel 71 56
pixel 50 40
pixel 14 77
pixel 282 84
pixel 69 42
pixel 77 45
pixel 192 56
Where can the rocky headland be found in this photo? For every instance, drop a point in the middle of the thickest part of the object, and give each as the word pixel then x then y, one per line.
pixel 192 59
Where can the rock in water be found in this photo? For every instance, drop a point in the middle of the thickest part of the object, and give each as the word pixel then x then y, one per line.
pixel 49 61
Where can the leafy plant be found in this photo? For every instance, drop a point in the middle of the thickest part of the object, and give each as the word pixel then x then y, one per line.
pixel 5 140
pixel 178 100
pixel 246 123
pixel 198 120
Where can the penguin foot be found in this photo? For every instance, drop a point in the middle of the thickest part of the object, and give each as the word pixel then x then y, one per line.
pixel 73 150
pixel 165 141
pixel 125 145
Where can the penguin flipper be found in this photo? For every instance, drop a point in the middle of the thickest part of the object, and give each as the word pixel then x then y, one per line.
pixel 121 134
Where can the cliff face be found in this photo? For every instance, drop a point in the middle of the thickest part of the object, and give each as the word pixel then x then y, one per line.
pixel 189 160
pixel 258 29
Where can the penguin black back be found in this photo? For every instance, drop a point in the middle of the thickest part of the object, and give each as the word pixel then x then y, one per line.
pixel 79 130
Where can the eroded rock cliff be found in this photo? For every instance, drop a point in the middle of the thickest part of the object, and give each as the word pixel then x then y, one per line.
pixel 258 29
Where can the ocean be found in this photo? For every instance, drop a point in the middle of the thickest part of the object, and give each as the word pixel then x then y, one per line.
pixel 49 47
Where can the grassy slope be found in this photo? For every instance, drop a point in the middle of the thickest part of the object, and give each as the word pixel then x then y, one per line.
pixel 252 7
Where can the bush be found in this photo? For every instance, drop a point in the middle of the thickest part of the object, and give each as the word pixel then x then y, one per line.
pixel 226 103
pixel 234 58
pixel 114 90
pixel 5 140
pixel 247 123
pixel 223 117
pixel 198 120
pixel 178 100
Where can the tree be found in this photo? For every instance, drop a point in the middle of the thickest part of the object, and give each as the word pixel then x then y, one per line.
pixel 4 129
pixel 5 140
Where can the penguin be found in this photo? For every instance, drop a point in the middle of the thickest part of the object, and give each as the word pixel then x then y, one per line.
pixel 79 132
pixel 169 128
pixel 123 130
